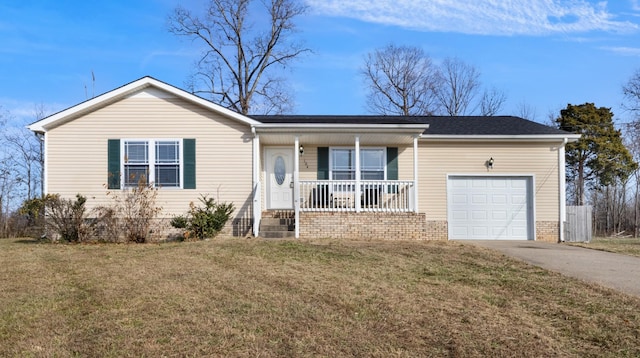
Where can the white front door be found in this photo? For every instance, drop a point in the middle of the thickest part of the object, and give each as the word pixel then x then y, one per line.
pixel 279 172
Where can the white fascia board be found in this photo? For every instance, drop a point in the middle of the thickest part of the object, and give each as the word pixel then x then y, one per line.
pixel 121 92
pixel 527 137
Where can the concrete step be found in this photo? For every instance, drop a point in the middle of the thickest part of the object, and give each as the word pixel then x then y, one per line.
pixel 277 234
pixel 276 222
pixel 276 227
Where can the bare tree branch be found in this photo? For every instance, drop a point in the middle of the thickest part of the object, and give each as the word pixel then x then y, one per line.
pixel 401 81
pixel 460 84
pixel 238 55
pixel 491 102
pixel 631 91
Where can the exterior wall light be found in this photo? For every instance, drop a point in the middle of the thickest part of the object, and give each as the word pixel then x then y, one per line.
pixel 301 149
pixel 490 163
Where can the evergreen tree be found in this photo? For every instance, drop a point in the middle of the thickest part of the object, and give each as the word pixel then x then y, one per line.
pixel 599 157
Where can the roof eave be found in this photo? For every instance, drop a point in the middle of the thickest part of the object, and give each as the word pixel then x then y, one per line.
pixel 570 137
pixel 44 124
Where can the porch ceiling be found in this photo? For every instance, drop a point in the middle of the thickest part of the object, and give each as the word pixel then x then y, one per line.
pixel 337 138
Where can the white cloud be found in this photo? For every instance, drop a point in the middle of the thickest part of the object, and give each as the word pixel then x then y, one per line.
pixel 635 5
pixel 20 112
pixel 487 17
pixel 626 51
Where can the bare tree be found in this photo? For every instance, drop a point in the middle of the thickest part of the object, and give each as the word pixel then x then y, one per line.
pixel 401 81
pixel 631 91
pixel 26 155
pixel 492 101
pixel 526 111
pixel 460 84
pixel 242 48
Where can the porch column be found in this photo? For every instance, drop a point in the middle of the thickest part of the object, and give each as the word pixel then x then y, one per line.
pixel 562 187
pixel 415 174
pixel 257 205
pixel 357 191
pixel 296 186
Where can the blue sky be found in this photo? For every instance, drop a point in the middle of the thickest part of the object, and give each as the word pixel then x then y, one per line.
pixel 542 54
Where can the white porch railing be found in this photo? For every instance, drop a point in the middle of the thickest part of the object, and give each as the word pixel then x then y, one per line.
pixel 343 195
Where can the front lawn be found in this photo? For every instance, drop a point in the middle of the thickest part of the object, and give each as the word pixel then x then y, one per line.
pixel 627 246
pixel 236 297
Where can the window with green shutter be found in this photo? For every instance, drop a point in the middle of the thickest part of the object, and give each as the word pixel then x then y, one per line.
pixel 157 161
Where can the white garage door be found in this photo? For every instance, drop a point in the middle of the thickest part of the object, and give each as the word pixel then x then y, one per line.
pixel 489 208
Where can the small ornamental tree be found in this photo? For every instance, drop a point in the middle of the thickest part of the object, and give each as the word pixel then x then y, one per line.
pixel 132 214
pixel 67 218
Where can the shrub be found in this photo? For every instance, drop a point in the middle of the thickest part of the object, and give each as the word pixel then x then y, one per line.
pixel 132 214
pixel 67 218
pixel 204 221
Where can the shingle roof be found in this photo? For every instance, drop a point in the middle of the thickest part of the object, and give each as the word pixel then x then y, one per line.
pixel 438 125
pixel 323 119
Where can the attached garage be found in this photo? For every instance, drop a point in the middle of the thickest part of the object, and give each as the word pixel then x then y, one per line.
pixel 490 207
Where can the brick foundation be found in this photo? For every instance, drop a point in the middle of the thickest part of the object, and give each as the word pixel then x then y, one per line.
pixel 390 226
pixel 362 226
pixel 436 230
pixel 547 231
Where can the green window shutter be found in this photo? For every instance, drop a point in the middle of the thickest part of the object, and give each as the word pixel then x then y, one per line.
pixel 392 163
pixel 189 168
pixel 323 163
pixel 113 164
pixel 392 168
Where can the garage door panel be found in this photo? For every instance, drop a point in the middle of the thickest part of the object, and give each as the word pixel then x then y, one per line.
pixel 459 215
pixel 479 215
pixel 460 231
pixel 499 215
pixel 480 199
pixel 489 207
pixel 478 184
pixel 499 184
pixel 519 184
pixel 460 199
pixel 480 231
pixel 499 198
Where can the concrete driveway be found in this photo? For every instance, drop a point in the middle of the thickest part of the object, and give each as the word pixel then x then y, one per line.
pixel 616 271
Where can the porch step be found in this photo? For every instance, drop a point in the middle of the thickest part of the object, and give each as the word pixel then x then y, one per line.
pixel 277 224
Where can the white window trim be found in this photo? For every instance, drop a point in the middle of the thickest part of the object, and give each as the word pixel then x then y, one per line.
pixel 384 159
pixel 151 143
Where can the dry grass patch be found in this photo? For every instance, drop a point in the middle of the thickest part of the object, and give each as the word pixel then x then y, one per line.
pixel 285 298
pixel 627 246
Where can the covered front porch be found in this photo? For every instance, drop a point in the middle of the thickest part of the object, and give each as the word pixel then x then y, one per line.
pixel 314 169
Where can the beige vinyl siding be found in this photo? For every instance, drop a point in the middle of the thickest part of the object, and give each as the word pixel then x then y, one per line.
pixel 439 159
pixel 77 162
pixel 405 163
pixel 309 164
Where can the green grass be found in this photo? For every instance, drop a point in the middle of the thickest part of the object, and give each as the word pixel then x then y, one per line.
pixel 627 246
pixel 284 298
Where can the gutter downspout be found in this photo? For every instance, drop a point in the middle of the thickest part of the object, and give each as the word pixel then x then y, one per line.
pixel 257 205
pixel 562 187
pixel 41 136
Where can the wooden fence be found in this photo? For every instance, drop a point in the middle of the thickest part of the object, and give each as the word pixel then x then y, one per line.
pixel 578 226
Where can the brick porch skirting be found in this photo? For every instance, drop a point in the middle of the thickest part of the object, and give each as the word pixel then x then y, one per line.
pixel 362 226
